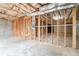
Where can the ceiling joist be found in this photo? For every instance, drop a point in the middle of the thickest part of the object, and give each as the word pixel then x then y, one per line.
pixel 9 9
pixel 31 6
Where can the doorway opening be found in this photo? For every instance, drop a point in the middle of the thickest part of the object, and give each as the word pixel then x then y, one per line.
pixel 49 28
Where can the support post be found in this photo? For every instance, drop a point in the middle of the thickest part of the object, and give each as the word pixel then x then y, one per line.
pixel 39 27
pixel 33 27
pixel 65 28
pixel 42 29
pixel 46 29
pixel 51 29
pixel 57 31
pixel 74 40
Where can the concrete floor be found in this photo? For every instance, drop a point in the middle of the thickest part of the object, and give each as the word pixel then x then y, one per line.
pixel 23 47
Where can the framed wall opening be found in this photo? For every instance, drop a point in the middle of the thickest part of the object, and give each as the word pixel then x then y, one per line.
pixel 49 28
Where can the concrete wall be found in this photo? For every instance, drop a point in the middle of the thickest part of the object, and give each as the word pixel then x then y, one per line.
pixel 5 28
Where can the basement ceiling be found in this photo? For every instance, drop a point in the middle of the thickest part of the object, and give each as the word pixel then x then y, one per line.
pixel 12 10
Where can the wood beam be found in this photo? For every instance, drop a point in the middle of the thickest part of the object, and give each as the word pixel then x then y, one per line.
pixel 31 6
pixel 27 8
pixel 20 8
pixel 39 27
pixel 65 28
pixel 11 9
pixel 74 39
pixel 52 37
pixel 43 4
pixel 50 10
pixel 24 6
pixel 58 32
pixel 46 29
pixel 40 4
pixel 42 28
pixel 16 10
pixel 6 16
pixel 33 27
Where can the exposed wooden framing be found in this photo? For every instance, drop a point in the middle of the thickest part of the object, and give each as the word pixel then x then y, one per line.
pixel 29 21
pixel 21 8
pixel 65 28
pixel 57 31
pixel 16 10
pixel 31 29
pixel 46 29
pixel 43 4
pixel 40 4
pixel 27 7
pixel 74 40
pixel 12 10
pixel 39 27
pixel 51 10
pixel 23 5
pixel 6 16
pixel 28 30
pixel 51 28
pixel 35 28
pixel 13 29
pixel 43 26
pixel 42 29
pixel 12 7
pixel 31 6
pixel 17 26
pixel 25 27
pixel 34 32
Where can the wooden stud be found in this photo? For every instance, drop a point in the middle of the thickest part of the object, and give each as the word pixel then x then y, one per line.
pixel 25 29
pixel 42 29
pixel 46 29
pixel 30 23
pixel 28 29
pixel 64 28
pixel 14 27
pixel 33 27
pixel 51 29
pixel 57 31
pixel 39 27
pixel 31 6
pixel 12 10
pixel 74 40
pixel 35 30
pixel 17 27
